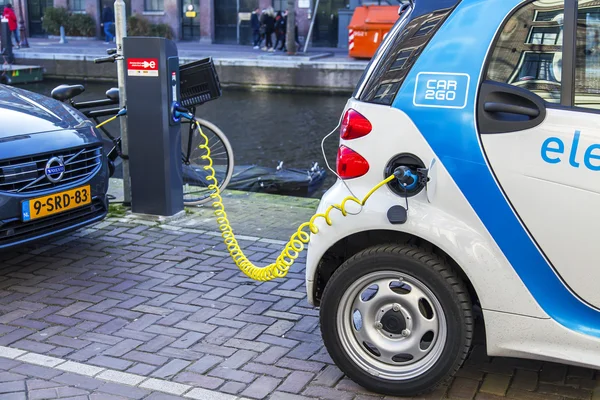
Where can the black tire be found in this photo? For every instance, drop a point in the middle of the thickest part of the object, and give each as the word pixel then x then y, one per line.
pixel 439 277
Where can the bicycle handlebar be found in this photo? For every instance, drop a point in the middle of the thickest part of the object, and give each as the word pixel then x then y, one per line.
pixel 106 59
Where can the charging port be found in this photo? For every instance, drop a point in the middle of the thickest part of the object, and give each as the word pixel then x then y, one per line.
pixel 404 160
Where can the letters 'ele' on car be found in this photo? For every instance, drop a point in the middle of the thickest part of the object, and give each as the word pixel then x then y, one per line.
pixel 53 170
pixel 495 106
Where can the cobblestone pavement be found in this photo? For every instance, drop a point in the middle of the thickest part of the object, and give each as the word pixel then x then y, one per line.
pixel 150 309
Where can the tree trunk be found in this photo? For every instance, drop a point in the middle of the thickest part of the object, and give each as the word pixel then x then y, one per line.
pixel 290 37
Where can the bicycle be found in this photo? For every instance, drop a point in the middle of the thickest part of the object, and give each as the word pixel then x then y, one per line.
pixel 195 184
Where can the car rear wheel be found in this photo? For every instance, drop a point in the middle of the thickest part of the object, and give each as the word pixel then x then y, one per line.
pixel 397 320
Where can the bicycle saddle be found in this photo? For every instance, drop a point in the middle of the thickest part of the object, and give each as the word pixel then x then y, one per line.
pixel 113 94
pixel 66 92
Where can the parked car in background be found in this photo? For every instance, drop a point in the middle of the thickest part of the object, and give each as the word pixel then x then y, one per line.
pixel 53 170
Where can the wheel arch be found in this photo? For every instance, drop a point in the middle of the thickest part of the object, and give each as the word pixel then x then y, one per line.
pixel 346 247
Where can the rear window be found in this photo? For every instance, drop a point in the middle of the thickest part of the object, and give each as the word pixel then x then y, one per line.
pixel 391 64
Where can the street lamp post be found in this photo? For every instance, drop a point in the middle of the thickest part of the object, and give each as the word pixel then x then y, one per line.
pixel 22 33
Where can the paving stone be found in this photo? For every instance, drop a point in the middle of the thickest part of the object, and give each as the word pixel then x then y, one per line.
pixel 300 365
pixel 30 345
pixel 240 358
pixel 36 371
pixel 261 369
pixel 463 388
pixel 525 380
pixel 78 368
pixel 193 379
pixel 205 364
pixel 296 382
pixel 146 358
pixel 123 347
pixel 202 394
pixel 566 391
pixel 232 374
pixel 9 376
pixel 39 359
pixel 305 350
pixel 214 350
pixel 327 393
pixel 288 396
pixel 346 385
pixel 141 369
pixel 553 373
pixel 9 387
pixel 7 352
pixel 122 390
pixel 76 380
pixel 232 387
pixel 162 396
pixel 187 340
pixel 165 386
pixel 156 344
pixel 33 384
pixel 524 395
pixel 111 362
pixel 495 384
pixel 470 372
pixel 330 376
pixel 261 387
pixel 488 396
pixel 13 396
pixel 88 352
pixel 251 331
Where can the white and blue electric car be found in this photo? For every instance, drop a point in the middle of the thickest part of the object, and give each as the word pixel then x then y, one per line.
pixel 492 107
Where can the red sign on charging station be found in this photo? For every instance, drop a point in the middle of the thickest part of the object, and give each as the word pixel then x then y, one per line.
pixel 142 66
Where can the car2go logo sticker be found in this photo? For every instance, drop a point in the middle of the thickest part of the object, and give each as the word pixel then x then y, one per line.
pixel 441 90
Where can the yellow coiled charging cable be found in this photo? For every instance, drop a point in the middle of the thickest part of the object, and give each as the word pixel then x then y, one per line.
pixel 295 245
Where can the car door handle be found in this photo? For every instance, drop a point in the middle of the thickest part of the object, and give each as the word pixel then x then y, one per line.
pixel 511 109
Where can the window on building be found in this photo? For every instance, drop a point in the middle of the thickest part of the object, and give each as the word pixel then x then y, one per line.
pixel 77 5
pixel 537 67
pixel 545 35
pixel 531 58
pixel 280 5
pixel 547 15
pixel 587 61
pixel 154 5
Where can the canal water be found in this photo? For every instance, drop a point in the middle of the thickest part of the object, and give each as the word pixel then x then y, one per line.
pixel 264 128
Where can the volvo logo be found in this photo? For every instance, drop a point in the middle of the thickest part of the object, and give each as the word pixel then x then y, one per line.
pixel 55 169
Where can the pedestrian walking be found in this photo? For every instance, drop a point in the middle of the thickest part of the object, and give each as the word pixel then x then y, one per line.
pixel 108 21
pixel 280 26
pixel 9 14
pixel 268 21
pixel 255 24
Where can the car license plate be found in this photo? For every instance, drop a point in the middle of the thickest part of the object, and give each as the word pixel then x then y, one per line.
pixel 56 203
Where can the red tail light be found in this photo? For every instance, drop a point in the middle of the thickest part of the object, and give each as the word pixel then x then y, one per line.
pixel 350 164
pixel 354 125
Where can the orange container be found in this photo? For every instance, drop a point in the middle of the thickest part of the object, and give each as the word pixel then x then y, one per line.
pixel 368 27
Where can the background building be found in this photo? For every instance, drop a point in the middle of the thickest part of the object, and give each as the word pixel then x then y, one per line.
pixel 216 21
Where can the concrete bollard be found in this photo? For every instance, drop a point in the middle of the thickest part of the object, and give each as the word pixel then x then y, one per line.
pixel 63 38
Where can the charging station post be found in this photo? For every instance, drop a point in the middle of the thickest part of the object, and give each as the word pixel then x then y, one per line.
pixel 152 87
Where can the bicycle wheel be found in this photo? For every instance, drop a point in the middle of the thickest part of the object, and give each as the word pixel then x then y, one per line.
pixel 195 182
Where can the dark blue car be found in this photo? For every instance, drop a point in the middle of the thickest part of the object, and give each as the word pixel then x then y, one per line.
pixel 53 170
